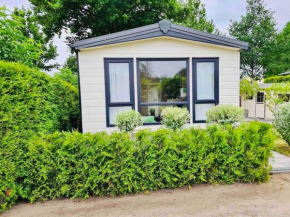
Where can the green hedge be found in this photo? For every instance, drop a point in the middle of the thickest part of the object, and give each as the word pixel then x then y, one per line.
pixel 32 100
pixel 74 165
pixel 277 79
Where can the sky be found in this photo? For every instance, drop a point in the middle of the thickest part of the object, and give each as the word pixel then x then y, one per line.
pixel 220 11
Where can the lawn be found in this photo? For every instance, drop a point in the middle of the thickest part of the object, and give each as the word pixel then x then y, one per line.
pixel 282 147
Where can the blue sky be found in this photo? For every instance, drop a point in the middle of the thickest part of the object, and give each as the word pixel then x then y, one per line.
pixel 220 11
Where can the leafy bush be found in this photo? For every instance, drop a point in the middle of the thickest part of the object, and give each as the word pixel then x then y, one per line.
pixel 67 75
pixel 225 114
pixel 282 121
pixel 63 164
pixel 127 121
pixel 277 79
pixel 174 118
pixel 32 100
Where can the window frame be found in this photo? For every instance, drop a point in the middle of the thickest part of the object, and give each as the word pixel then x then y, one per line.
pixel 259 97
pixel 187 102
pixel 195 101
pixel 109 104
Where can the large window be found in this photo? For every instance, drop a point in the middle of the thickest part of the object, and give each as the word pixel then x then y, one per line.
pixel 119 87
pixel 205 86
pixel 162 82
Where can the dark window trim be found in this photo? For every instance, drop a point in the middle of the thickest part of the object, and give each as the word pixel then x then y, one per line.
pixel 194 84
pixel 260 97
pixel 80 95
pixel 107 86
pixel 163 103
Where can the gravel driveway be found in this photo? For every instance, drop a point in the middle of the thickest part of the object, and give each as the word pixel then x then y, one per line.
pixel 266 199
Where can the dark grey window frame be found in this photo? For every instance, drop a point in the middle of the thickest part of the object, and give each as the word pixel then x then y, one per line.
pixel 215 60
pixel 163 103
pixel 107 61
pixel 258 101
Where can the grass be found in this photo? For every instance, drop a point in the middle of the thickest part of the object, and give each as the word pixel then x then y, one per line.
pixel 282 147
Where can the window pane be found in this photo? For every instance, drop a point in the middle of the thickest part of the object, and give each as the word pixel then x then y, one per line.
pixel 200 111
pixel 152 114
pixel 119 82
pixel 163 81
pixel 260 97
pixel 205 80
pixel 113 111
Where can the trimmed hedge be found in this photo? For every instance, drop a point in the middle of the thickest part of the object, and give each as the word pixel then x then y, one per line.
pixel 277 79
pixel 32 100
pixel 74 165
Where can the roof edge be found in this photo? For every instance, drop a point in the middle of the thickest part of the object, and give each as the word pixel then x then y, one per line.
pixel 162 28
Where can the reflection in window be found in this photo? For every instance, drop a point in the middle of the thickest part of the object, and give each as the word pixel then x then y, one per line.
pixel 152 114
pixel 163 81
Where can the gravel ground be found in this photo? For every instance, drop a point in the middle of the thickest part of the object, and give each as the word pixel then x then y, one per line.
pixel 265 199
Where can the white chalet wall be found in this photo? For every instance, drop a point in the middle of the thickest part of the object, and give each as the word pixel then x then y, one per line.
pixel 92 81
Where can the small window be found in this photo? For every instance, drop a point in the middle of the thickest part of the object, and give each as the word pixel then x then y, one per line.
pixel 205 86
pixel 119 87
pixel 284 97
pixel 260 97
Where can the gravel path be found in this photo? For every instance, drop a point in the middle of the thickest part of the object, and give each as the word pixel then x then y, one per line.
pixel 266 199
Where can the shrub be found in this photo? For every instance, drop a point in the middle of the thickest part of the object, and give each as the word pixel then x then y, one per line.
pixel 174 118
pixel 127 121
pixel 225 114
pixel 282 121
pixel 74 165
pixel 32 100
pixel 67 75
pixel 277 79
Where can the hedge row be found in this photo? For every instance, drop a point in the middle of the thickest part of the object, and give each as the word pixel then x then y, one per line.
pixel 277 79
pixel 74 165
pixel 32 100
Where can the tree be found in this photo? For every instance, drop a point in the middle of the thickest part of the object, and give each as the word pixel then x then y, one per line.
pixel 67 75
pixel 277 94
pixel 15 46
pixel 258 28
pixel 71 63
pixel 31 29
pixel 248 88
pixel 279 57
pixel 89 18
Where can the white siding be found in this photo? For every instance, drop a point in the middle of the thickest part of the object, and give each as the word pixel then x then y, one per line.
pixel 91 65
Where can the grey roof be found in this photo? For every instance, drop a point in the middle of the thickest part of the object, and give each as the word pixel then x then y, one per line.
pixel 285 73
pixel 162 28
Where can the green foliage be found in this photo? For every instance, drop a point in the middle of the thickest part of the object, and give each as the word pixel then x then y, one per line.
pixel 14 44
pixel 127 121
pixel 258 28
pixel 100 17
pixel 282 121
pixel 78 165
pixel 31 28
pixel 174 118
pixel 71 63
pixel 32 100
pixel 248 88
pixel 276 95
pixel 67 75
pixel 225 114
pixel 277 79
pixel 279 56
